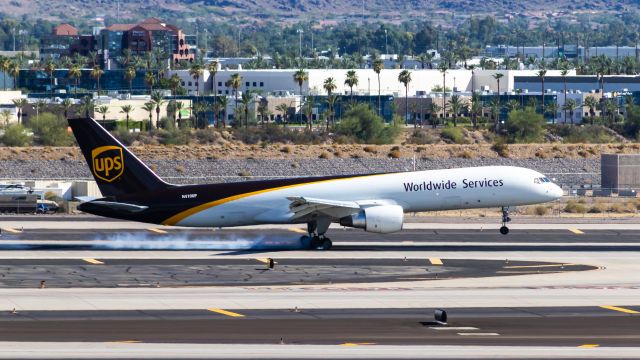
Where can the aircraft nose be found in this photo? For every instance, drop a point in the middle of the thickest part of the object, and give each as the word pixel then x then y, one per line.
pixel 555 191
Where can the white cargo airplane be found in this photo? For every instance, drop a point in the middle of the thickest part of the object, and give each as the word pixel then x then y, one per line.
pixel 374 202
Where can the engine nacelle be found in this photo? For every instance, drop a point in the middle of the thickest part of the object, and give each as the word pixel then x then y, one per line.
pixel 378 219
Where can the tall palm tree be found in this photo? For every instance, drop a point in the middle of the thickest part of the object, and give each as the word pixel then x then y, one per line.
pixel 443 68
pixel 553 110
pixel 150 80
pixel 174 82
pixel 213 70
pixel 149 107
pixel 14 71
pixel 592 104
pixel 541 74
pixel 223 103
pixel 331 101
pixel 178 107
pixel 158 100
pixel 246 100
pixel 75 73
pixel 235 81
pixel 456 104
pixel 87 105
pixel 378 66
pixel 497 77
pixel 5 66
pixel 571 105
pixel 20 104
pixel 351 81
pixel 49 68
pixel 96 74
pixel 283 108
pixel 329 86
pixel 564 71
pixel 129 75
pixel 196 71
pixel 512 105
pixel 476 109
pixel 300 77
pixel 66 105
pixel 126 109
pixel 405 78
pixel 434 110
pixel 103 110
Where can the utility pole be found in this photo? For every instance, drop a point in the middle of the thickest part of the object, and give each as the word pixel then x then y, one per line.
pixel 300 45
pixel 386 48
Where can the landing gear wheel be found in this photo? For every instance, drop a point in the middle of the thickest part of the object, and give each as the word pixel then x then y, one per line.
pixel 504 230
pixel 326 244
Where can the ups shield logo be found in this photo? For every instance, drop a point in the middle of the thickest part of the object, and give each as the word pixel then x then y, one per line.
pixel 107 162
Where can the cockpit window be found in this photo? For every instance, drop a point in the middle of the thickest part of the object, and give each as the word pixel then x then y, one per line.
pixel 541 180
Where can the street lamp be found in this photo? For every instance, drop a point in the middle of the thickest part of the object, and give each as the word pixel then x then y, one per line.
pixel 300 32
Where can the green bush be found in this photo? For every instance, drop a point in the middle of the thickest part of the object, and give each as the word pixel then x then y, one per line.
pixel 500 147
pixel 124 136
pixel 51 130
pixel 173 137
pixel 595 134
pixel 16 135
pixel 362 124
pixel 272 133
pixel 454 135
pixel 525 126
pixel 422 137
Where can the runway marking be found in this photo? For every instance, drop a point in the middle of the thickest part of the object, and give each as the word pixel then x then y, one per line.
pixel 357 344
pixel 408 242
pixel 435 261
pixel 11 230
pixel 157 231
pixel 93 261
pixel 478 334
pixel 297 230
pixel 616 308
pixel 457 328
pixel 575 231
pixel 536 266
pixel 125 342
pixel 226 312
pixel 589 346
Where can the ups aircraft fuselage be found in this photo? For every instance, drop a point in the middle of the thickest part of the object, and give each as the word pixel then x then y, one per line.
pixel 373 202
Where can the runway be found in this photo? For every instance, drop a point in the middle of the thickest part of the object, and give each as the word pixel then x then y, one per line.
pixel 572 292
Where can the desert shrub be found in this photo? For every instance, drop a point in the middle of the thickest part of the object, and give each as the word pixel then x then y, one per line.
pixel 272 133
pixel 363 125
pixel 51 130
pixel 596 134
pixel 207 136
pixel 286 149
pixel 16 135
pixel 574 207
pixel 370 149
pixel 173 137
pixel 453 135
pixel 622 208
pixel 395 153
pixel 325 155
pixel 466 154
pixel 422 137
pixel 500 147
pixel 525 126
pixel 124 136
pixel 598 208
pixel 541 210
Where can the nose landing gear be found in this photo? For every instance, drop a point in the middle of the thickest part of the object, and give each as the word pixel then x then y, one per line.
pixel 504 230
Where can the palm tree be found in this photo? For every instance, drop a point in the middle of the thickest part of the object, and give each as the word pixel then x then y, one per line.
pixel 497 76
pixel 512 105
pixel 174 83
pixel 49 68
pixel 283 108
pixel 564 71
pixel 66 105
pixel 5 65
pixel 476 109
pixel 96 74
pixel 19 104
pixel 235 81
pixel 434 109
pixel 246 100
pixel 213 70
pixel 300 77
pixel 14 71
pixel 5 114
pixel 178 107
pixel 75 73
pixel 150 80
pixel 351 81
pixel 378 65
pixel 87 105
pixel 158 100
pixel 223 103
pixel 456 104
pixel 592 104
pixel 196 71
pixel 553 110
pixel 126 109
pixel 571 105
pixel 405 78
pixel 104 109
pixel 329 86
pixel 149 107
pixel 541 74
pixel 331 101
pixel 443 68
pixel 129 75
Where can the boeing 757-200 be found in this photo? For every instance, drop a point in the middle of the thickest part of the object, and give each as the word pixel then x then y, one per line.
pixel 373 202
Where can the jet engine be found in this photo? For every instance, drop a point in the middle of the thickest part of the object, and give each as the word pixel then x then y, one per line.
pixel 378 219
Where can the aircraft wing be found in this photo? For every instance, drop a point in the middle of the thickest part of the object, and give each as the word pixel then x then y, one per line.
pixel 303 206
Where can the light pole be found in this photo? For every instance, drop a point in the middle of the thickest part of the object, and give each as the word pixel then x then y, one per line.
pixel 386 48
pixel 300 45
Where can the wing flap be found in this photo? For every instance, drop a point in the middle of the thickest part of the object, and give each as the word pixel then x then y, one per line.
pixel 303 206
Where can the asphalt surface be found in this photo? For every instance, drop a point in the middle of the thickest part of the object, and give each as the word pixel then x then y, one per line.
pixel 560 326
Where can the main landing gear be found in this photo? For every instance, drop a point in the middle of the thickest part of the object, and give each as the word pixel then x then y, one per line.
pixel 504 230
pixel 316 239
